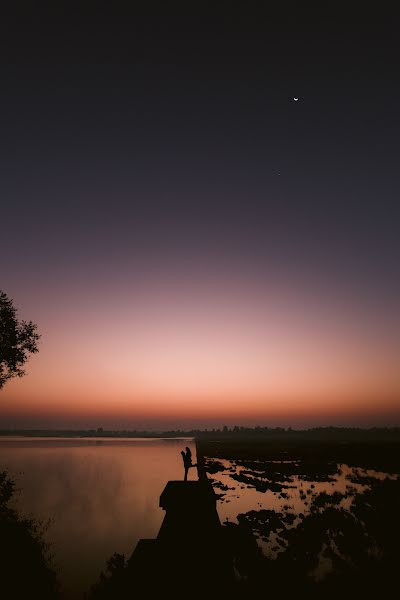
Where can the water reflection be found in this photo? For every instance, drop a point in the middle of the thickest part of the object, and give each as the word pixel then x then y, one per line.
pixel 294 497
pixel 101 495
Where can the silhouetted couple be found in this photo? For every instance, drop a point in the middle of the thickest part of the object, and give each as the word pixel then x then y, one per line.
pixel 187 461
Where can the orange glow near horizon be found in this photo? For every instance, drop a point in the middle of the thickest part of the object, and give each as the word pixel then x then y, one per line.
pixel 203 354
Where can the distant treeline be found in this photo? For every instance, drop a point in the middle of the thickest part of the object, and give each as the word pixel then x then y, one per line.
pixel 317 433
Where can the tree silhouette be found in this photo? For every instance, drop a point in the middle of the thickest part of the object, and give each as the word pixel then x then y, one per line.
pixel 26 568
pixel 18 339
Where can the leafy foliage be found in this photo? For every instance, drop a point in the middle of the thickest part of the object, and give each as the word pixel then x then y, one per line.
pixel 25 564
pixel 18 339
pixel 113 583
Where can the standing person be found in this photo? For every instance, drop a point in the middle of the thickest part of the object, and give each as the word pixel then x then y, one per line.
pixel 187 461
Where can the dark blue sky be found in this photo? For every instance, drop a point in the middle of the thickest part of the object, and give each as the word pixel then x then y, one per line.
pixel 196 117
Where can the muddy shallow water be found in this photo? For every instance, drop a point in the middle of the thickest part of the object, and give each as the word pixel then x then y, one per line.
pixel 277 500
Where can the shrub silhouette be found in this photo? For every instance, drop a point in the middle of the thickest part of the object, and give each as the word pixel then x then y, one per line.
pixel 25 562
pixel 112 583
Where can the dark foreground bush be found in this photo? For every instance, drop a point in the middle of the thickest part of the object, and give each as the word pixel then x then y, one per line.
pixel 25 562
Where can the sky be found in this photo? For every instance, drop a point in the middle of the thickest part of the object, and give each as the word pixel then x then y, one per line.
pixel 197 247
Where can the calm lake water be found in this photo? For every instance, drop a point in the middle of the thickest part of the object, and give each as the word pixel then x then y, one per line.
pixel 102 495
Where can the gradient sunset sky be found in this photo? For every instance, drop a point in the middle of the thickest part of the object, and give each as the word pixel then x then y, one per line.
pixel 197 247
